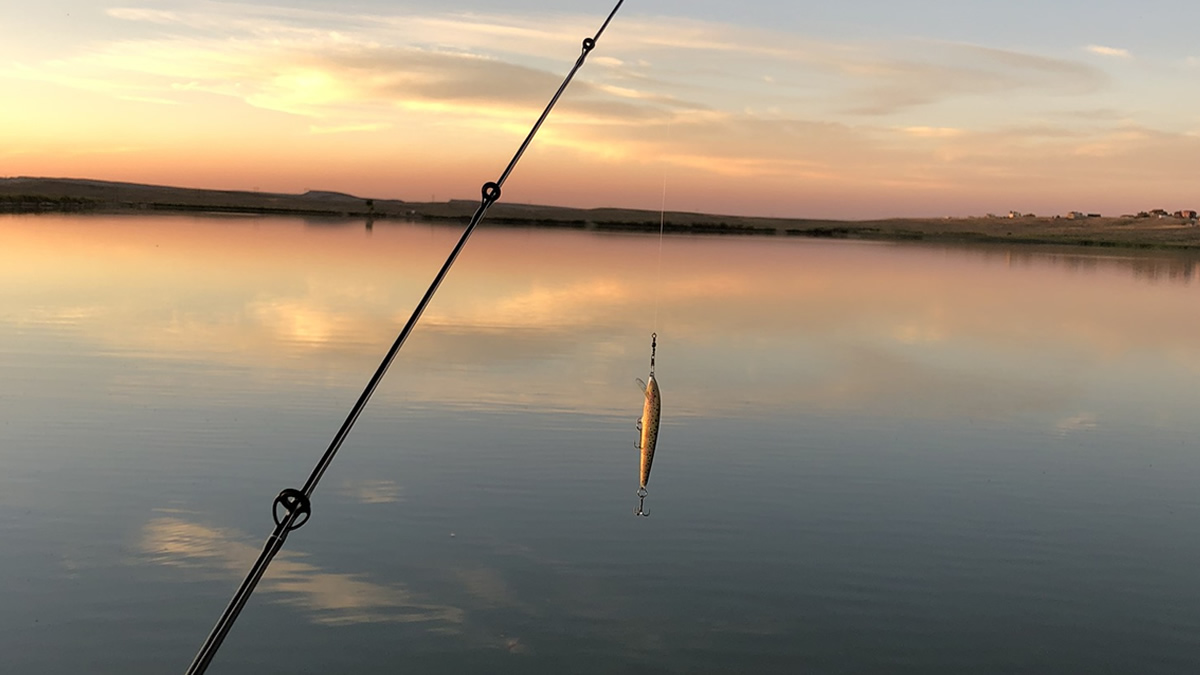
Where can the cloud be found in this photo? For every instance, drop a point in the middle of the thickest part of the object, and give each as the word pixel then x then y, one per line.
pixel 315 63
pixel 305 79
pixel 933 132
pixel 950 71
pixel 321 64
pixel 877 78
pixel 897 119
pixel 348 128
pixel 1109 51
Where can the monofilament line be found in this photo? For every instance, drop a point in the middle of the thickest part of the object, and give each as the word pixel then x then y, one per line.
pixel 662 223
pixel 292 507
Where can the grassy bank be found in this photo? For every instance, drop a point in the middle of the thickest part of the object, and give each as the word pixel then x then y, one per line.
pixel 38 195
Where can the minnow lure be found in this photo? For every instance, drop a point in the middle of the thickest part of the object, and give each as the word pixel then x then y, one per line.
pixel 648 426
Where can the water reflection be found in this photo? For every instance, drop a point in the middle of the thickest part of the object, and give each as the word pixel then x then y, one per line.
pixel 1150 266
pixel 837 490
pixel 373 491
pixel 329 598
pixel 556 319
pixel 1084 421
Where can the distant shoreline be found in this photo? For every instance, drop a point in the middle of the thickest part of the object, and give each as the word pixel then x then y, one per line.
pixel 59 195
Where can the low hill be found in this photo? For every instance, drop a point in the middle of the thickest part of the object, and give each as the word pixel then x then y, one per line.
pixel 26 195
pixel 34 194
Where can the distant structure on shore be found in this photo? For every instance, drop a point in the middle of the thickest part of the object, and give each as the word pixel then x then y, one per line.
pixel 1182 214
pixel 1191 215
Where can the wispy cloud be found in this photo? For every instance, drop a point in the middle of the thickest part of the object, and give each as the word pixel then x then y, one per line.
pixel 933 132
pixel 311 62
pixel 709 98
pixel 1109 51
pixel 951 71
pixel 348 128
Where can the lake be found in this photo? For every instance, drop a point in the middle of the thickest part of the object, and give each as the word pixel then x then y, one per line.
pixel 875 457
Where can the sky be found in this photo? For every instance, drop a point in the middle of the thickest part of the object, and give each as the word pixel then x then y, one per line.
pixel 855 110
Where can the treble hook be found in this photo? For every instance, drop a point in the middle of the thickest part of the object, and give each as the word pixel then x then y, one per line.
pixel 641 509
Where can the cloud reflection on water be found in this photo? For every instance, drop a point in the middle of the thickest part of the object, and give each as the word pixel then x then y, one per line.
pixel 373 491
pixel 1084 421
pixel 328 597
pixel 561 319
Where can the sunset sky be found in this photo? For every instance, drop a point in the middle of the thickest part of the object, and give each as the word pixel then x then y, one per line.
pixel 760 107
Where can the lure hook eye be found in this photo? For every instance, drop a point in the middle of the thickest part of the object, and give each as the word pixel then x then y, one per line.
pixel 641 509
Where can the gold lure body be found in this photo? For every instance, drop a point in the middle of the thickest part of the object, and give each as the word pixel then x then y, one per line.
pixel 648 427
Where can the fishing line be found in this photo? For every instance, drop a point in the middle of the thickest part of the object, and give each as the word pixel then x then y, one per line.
pixel 292 507
pixel 647 425
pixel 662 222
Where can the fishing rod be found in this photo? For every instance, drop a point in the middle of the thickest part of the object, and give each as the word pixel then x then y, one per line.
pixel 292 508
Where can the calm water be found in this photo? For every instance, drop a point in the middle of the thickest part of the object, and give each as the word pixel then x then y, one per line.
pixel 874 457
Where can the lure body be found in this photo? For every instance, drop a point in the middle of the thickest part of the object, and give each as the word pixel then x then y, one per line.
pixel 649 428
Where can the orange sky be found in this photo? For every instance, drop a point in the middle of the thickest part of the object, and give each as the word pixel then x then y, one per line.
pixel 755 113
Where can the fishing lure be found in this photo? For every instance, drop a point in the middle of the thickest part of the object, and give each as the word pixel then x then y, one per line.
pixel 648 428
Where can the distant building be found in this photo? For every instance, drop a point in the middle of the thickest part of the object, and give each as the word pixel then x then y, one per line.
pixel 1186 213
pixel 1076 215
pixel 1015 214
